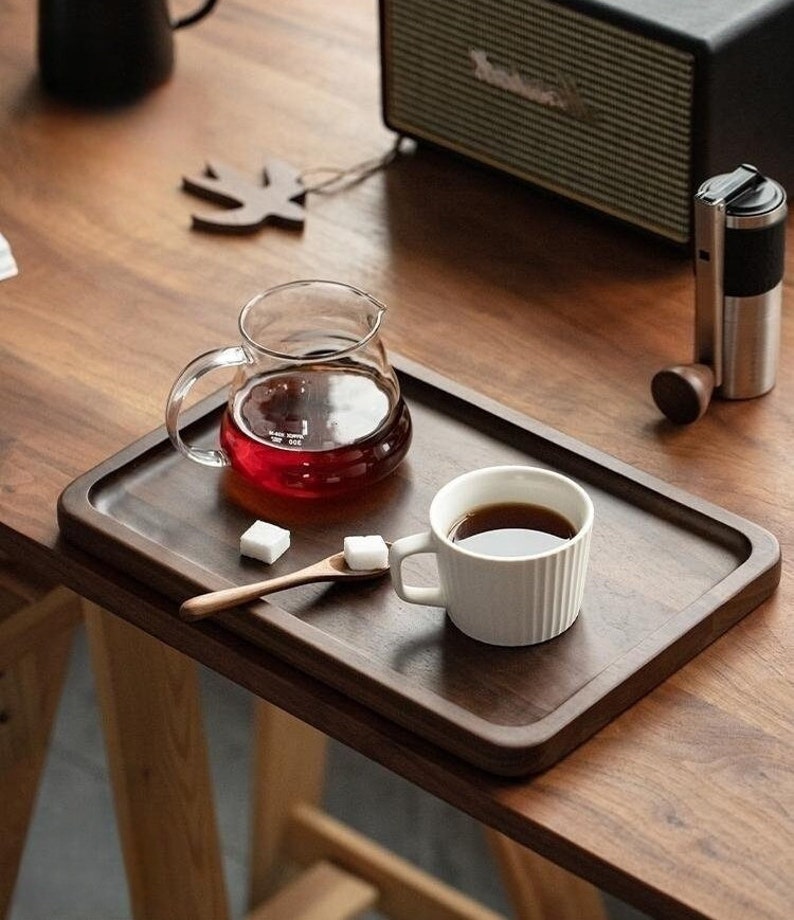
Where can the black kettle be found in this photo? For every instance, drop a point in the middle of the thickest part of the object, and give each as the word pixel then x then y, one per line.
pixel 102 52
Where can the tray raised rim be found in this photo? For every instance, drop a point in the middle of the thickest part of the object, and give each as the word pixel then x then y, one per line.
pixel 504 749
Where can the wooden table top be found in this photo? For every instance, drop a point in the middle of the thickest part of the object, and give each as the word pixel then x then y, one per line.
pixel 684 804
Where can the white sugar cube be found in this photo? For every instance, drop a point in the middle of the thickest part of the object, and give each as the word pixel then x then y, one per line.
pixel 264 541
pixel 363 553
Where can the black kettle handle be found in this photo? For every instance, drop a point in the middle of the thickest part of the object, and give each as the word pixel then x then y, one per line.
pixel 200 13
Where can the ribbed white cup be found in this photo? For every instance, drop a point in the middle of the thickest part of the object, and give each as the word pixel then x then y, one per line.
pixel 509 601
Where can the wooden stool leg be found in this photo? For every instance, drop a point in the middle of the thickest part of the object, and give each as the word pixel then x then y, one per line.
pixel 290 828
pixel 288 768
pixel 157 754
pixel 35 641
pixel 541 890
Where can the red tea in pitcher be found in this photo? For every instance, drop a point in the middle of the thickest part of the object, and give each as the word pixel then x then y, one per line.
pixel 315 408
pixel 315 431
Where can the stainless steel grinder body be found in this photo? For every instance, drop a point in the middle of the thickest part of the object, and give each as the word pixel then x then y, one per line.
pixel 740 230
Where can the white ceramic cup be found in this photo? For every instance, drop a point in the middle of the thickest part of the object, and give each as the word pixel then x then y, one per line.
pixel 502 600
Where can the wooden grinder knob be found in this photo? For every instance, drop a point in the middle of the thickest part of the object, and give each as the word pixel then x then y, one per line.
pixel 683 392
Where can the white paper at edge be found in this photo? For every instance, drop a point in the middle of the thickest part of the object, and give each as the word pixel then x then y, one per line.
pixel 8 267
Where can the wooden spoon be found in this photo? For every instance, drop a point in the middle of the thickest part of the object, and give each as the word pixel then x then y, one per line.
pixel 334 568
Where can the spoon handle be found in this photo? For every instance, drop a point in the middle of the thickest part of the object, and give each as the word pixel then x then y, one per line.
pixel 196 608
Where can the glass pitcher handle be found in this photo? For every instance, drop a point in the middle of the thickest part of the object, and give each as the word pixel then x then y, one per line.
pixel 230 356
pixel 200 13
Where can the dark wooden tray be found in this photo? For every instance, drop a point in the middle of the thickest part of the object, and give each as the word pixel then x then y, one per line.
pixel 669 573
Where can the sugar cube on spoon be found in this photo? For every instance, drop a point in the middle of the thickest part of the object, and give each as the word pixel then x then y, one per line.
pixel 363 553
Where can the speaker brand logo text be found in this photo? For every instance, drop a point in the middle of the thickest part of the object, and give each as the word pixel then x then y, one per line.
pixel 564 96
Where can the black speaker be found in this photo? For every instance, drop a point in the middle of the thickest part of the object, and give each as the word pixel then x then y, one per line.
pixel 624 106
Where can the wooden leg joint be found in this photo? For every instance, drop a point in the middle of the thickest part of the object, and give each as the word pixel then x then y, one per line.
pixel 321 892
pixel 405 892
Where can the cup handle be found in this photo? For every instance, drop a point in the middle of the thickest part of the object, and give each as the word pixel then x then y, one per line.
pixel 190 18
pixel 400 550
pixel 230 356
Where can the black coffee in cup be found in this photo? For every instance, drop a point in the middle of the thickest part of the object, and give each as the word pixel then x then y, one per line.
pixel 511 529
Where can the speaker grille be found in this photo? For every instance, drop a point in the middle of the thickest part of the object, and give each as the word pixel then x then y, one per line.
pixel 566 101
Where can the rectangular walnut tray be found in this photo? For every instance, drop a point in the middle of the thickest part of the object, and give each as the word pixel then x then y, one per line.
pixel 668 574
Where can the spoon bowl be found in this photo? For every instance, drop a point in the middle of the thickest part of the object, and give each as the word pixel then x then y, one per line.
pixel 332 568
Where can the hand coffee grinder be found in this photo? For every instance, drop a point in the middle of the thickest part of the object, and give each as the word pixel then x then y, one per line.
pixel 740 243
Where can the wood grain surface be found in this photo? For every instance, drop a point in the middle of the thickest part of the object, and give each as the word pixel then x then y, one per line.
pixel 684 804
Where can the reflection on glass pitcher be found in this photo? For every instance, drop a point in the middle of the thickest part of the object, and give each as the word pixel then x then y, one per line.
pixel 315 408
pixel 107 51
